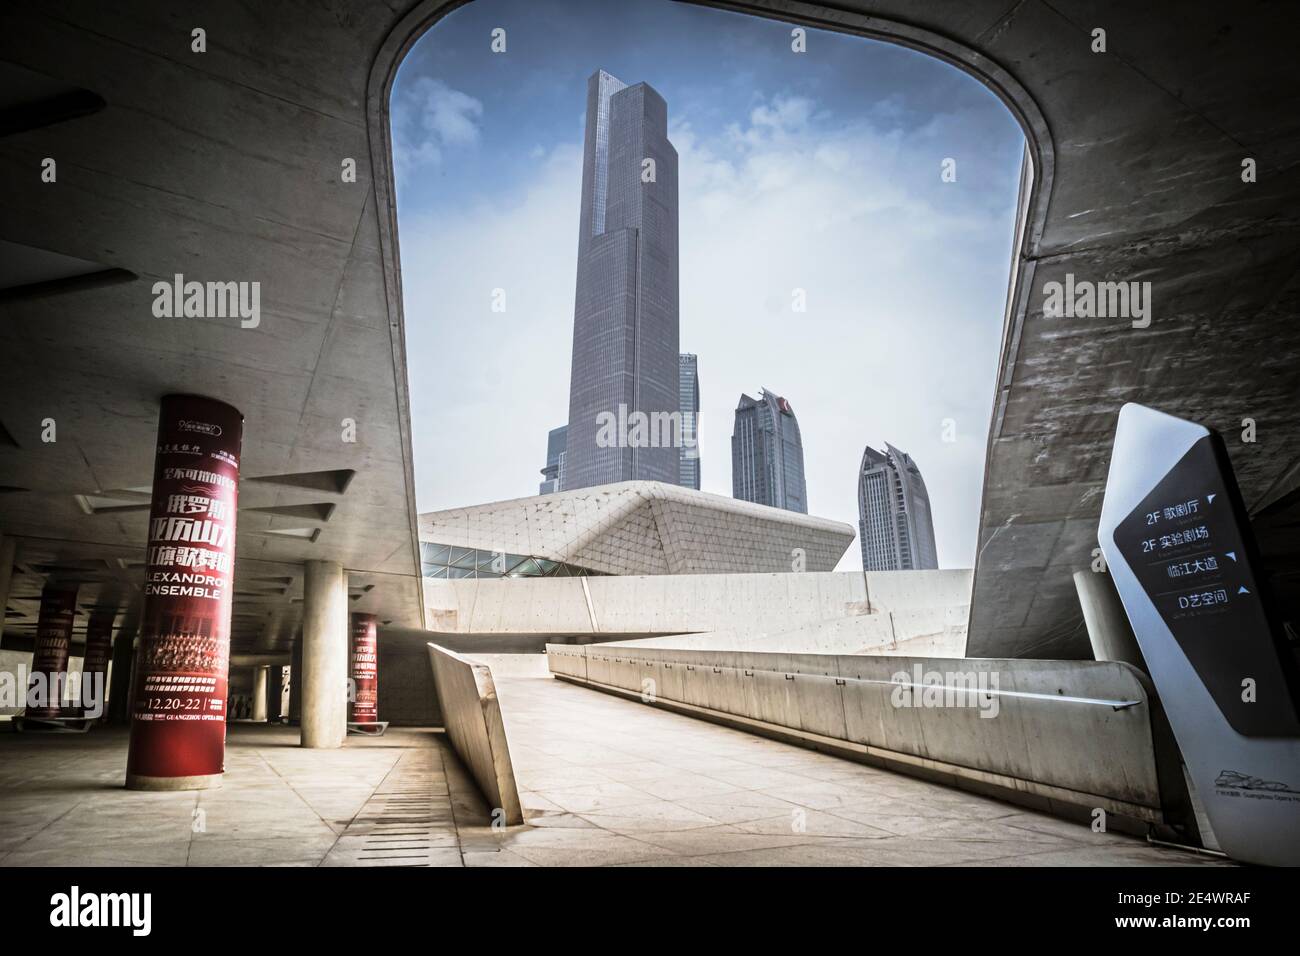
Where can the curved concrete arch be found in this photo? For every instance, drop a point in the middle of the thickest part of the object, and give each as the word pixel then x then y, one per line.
pixel 1136 178
pixel 426 14
pixel 1036 182
pixel 1143 183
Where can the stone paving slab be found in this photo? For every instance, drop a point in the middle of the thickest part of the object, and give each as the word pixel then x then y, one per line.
pixel 604 781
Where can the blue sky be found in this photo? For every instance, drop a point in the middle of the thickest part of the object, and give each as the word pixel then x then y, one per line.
pixel 818 171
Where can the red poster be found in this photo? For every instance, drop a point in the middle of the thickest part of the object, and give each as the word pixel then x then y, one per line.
pixel 99 651
pixel 178 696
pixel 364 705
pixel 50 652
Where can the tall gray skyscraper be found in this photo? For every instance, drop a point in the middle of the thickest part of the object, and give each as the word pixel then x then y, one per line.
pixel 688 396
pixel 767 454
pixel 553 473
pixel 625 316
pixel 895 523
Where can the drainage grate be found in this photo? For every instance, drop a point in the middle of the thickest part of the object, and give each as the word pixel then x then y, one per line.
pixel 406 822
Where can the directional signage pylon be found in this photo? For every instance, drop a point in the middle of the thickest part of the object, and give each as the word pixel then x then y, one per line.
pixel 1178 545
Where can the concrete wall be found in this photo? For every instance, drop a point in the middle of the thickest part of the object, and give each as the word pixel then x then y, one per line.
pixel 920 632
pixel 472 717
pixel 407 695
pixel 514 665
pixel 740 609
pixel 1062 753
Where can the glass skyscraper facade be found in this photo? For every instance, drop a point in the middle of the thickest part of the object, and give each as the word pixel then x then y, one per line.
pixel 626 314
pixel 553 473
pixel 895 524
pixel 767 454
pixel 688 396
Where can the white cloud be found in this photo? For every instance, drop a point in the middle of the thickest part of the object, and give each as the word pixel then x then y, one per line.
pixel 433 116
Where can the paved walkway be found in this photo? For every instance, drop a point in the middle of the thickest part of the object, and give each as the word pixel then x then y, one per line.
pixel 62 804
pixel 604 781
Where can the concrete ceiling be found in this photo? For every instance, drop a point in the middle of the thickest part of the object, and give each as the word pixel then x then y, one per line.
pixel 225 165
pixel 222 166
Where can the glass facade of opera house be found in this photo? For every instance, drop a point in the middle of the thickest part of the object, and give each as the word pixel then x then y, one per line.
pixel 449 561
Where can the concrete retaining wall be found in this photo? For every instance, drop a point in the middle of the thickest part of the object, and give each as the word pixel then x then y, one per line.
pixel 1066 736
pixel 472 717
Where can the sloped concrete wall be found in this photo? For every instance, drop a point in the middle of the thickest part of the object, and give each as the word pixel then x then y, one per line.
pixel 1063 736
pixel 472 717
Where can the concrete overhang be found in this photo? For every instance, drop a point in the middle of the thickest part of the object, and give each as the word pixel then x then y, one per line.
pixel 226 166
pixel 219 166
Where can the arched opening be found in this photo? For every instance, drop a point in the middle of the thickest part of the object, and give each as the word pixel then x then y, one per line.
pixel 966 431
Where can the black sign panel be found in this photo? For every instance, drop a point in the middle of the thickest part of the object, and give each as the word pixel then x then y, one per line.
pixel 1187 549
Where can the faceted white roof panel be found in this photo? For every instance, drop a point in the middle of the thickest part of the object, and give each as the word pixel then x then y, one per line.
pixel 645 527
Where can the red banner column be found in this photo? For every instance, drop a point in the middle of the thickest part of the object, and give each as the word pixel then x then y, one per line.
pixel 50 652
pixel 94 666
pixel 179 684
pixel 364 706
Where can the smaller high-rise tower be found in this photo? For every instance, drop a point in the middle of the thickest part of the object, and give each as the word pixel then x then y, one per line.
pixel 688 394
pixel 553 473
pixel 767 454
pixel 895 523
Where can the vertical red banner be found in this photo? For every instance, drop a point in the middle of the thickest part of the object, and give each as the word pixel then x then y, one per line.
pixel 179 684
pixel 364 662
pixel 94 667
pixel 50 652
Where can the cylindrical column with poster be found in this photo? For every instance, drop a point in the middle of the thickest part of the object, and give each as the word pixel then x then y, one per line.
pixel 50 652
pixel 179 684
pixel 363 706
pixel 94 666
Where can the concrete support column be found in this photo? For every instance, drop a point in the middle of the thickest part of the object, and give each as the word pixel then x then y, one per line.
pixel 180 688
pixel 8 555
pixel 94 666
pixel 1109 631
pixel 50 652
pixel 364 699
pixel 119 688
pixel 260 680
pixel 295 682
pixel 324 655
pixel 274 688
